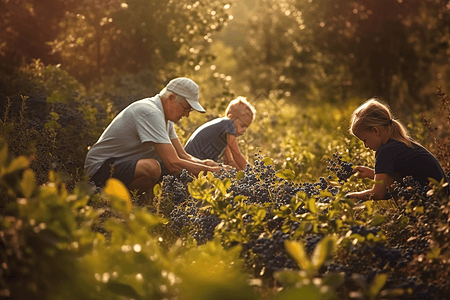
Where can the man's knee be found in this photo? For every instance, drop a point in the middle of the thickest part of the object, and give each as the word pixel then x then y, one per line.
pixel 148 167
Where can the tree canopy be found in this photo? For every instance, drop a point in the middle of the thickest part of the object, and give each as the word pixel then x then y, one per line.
pixel 320 49
pixel 393 49
pixel 91 38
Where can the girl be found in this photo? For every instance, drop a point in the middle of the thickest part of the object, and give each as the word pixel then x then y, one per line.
pixel 397 154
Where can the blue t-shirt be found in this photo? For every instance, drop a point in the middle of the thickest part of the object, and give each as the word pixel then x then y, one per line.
pixel 210 140
pixel 418 162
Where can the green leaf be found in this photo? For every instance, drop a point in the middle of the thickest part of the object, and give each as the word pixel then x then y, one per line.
pixel 157 190
pixel 220 186
pixel 240 175
pixel 358 237
pixel 200 188
pixel 260 215
pixel 418 210
pixel 27 184
pixel 54 115
pixel 434 253
pixel 305 227
pixel 403 222
pixel 122 290
pixel 297 251
pixel 334 280
pixel 8 128
pixel 305 291
pixel 392 293
pixel 310 204
pixel 240 198
pixel 377 284
pixel 285 174
pixel 288 278
pixel 18 163
pixel 52 124
pixel 377 220
pixel 118 192
pixel 56 97
pixel 267 161
pixel 323 251
pixel 336 224
pixel 286 227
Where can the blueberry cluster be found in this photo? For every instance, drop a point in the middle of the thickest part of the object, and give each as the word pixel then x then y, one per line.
pixel 363 230
pixel 311 242
pixel 175 188
pixel 206 223
pixel 342 168
pixel 187 215
pixel 184 216
pixel 185 177
pixel 258 183
pixel 267 254
pixel 410 189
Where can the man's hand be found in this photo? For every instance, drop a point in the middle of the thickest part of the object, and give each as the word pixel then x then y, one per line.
pixel 210 162
pixel 219 168
pixel 227 168
pixel 364 172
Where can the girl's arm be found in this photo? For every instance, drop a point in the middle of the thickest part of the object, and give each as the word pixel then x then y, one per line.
pixel 378 190
pixel 364 172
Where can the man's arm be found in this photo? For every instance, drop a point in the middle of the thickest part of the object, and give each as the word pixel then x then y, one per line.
pixel 233 155
pixel 184 155
pixel 175 164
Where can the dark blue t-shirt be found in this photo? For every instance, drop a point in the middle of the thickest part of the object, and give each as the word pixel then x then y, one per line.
pixel 418 162
pixel 210 140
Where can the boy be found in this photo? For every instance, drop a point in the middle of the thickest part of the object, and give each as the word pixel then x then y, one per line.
pixel 217 139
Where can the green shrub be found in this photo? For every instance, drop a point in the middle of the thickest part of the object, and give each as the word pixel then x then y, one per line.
pixel 47 117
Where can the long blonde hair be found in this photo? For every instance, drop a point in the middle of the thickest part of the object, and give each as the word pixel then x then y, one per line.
pixel 373 113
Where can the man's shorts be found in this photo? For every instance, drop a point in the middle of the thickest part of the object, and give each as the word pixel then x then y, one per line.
pixel 164 170
pixel 124 171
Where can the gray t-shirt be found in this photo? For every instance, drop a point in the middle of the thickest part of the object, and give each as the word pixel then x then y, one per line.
pixel 210 140
pixel 140 122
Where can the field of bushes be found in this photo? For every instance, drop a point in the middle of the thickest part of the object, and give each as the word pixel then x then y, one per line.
pixel 281 229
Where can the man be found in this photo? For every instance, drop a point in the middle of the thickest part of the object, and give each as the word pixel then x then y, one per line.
pixel 142 134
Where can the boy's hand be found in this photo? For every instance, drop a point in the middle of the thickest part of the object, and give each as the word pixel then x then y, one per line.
pixel 364 172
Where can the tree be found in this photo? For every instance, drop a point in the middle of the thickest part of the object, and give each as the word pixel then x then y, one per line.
pixel 389 46
pixel 25 28
pixel 333 49
pixel 100 38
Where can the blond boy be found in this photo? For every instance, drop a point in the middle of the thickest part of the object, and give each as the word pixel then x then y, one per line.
pixel 217 139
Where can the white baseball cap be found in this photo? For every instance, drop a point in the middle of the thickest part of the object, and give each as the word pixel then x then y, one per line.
pixel 188 89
